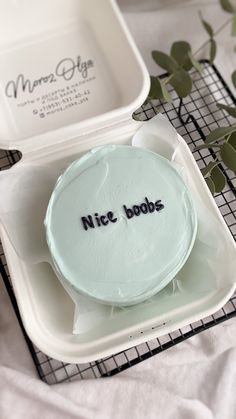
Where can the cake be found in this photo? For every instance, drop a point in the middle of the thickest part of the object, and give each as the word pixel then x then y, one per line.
pixel 120 224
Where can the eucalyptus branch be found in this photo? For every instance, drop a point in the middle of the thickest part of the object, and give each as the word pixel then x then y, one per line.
pixel 178 64
pixel 219 30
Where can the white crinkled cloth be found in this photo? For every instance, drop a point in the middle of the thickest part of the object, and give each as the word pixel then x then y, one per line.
pixel 195 379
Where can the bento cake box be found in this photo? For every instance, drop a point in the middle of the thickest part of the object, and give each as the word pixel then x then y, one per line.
pixel 71 77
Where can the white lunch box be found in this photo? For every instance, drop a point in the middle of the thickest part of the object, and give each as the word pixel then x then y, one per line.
pixel 70 79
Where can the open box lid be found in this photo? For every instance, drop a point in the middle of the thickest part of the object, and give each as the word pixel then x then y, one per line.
pixel 67 68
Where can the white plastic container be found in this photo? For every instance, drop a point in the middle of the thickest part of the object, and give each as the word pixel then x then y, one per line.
pixel 90 109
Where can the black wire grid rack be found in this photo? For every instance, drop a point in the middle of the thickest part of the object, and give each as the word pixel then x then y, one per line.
pixel 193 118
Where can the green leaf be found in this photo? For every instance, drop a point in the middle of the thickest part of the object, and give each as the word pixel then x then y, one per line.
pixel 195 63
pixel 234 25
pixel 210 184
pixel 233 77
pixel 218 178
pixel 182 82
pixel 158 90
pixel 227 6
pixel 165 61
pixel 207 26
pixel 232 140
pixel 155 89
pixel 165 92
pixel 230 110
pixel 213 50
pixel 179 51
pixel 201 147
pixel 219 133
pixel 206 170
pixel 228 155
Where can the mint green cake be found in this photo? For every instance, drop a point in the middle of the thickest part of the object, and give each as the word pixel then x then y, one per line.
pixel 120 224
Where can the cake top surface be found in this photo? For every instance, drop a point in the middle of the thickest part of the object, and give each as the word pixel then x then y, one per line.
pixel 120 224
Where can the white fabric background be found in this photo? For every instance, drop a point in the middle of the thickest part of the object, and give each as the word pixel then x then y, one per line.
pixel 197 378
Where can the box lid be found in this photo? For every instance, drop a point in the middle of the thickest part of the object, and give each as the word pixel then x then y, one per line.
pixel 67 68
